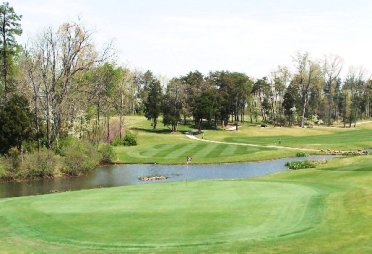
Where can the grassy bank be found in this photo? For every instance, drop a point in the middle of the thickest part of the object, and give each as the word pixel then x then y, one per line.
pixel 324 210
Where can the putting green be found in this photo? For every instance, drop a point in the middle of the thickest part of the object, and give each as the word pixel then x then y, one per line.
pixel 166 215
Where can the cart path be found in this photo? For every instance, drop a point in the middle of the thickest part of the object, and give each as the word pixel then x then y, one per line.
pixel 253 145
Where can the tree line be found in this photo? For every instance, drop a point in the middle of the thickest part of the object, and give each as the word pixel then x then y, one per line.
pixel 61 83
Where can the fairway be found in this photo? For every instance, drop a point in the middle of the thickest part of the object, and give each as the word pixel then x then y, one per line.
pixel 164 147
pixel 174 148
pixel 318 210
pixel 161 146
pixel 313 138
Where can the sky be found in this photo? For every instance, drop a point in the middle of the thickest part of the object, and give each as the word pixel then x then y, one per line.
pixel 173 37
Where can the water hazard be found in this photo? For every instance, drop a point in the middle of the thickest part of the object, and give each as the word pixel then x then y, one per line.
pixel 120 175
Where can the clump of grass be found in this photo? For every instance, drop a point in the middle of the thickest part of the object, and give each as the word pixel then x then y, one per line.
pixel 295 165
pixel 302 154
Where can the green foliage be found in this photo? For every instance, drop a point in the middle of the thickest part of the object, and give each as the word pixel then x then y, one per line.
pixel 80 158
pixel 117 141
pixel 14 157
pixel 302 154
pixel 154 98
pixel 289 104
pixel 2 167
pixel 10 28
pixel 16 123
pixel 129 139
pixel 172 104
pixel 61 145
pixel 39 164
pixel 29 165
pixel 107 154
pixel 301 164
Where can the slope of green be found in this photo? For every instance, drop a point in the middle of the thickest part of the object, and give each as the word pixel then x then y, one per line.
pixel 316 138
pixel 324 210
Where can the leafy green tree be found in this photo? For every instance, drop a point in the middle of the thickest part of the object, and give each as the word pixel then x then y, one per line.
pixel 16 123
pixel 206 107
pixel 261 89
pixel 172 104
pixel 10 27
pixel 154 98
pixel 289 104
pixel 194 83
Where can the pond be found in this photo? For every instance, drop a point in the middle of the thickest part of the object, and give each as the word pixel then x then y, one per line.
pixel 128 174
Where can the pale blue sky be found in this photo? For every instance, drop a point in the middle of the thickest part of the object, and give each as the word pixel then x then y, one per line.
pixel 174 37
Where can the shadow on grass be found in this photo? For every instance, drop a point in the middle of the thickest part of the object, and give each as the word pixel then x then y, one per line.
pixel 159 131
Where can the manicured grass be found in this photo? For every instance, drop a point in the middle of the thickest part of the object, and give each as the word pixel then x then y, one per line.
pixel 323 210
pixel 163 147
pixel 316 138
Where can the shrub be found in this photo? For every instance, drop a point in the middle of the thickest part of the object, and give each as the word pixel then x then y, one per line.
pixel 301 164
pixel 39 164
pixel 80 157
pixel 302 154
pixel 14 157
pixel 65 142
pixel 107 154
pixel 117 142
pixel 129 139
pixel 4 174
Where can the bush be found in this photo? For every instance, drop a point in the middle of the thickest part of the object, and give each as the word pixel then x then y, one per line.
pixel 107 154
pixel 14 157
pixel 80 157
pixel 4 174
pixel 302 154
pixel 117 142
pixel 301 164
pixel 62 144
pixel 129 139
pixel 39 164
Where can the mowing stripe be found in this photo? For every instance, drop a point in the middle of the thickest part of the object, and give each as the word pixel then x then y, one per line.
pixel 168 149
pixel 253 145
pixel 217 150
pixel 180 152
pixel 195 150
pixel 192 148
pixel 150 152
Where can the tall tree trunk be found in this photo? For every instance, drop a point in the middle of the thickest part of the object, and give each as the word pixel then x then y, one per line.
pixel 154 123
pixel 303 113
pixel 5 70
pixel 37 125
pixel 48 120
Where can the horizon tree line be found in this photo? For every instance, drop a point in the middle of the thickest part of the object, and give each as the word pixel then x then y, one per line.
pixel 62 83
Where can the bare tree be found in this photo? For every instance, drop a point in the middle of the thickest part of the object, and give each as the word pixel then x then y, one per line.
pixel 332 67
pixel 57 58
pixel 308 75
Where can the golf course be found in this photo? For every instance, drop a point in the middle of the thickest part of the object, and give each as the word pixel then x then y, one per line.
pixel 323 210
